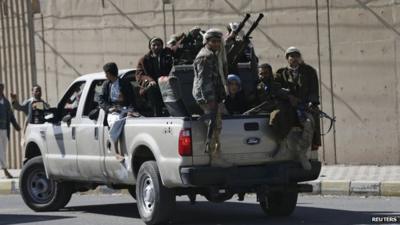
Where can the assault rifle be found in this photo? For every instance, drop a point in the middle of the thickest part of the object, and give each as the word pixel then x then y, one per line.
pixel 283 94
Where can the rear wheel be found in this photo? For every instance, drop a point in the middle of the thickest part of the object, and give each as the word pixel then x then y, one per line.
pixel 155 202
pixel 279 203
pixel 40 193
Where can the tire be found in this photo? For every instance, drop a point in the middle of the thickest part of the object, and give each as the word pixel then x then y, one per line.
pixel 218 198
pixel 155 202
pixel 40 193
pixel 132 191
pixel 279 203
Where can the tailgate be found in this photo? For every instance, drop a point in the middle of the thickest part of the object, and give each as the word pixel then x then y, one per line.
pixel 245 140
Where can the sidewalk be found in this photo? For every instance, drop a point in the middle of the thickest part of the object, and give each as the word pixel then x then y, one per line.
pixel 333 180
pixel 358 180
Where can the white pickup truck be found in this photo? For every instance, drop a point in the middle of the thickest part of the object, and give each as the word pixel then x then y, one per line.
pixel 164 157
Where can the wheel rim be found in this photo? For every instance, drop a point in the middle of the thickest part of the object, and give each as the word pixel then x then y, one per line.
pixel 148 195
pixel 40 188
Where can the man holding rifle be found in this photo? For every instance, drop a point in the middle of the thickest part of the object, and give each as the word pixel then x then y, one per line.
pixel 299 90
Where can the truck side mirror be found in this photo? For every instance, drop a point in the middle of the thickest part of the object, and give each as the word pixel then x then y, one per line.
pixel 67 119
pixel 94 114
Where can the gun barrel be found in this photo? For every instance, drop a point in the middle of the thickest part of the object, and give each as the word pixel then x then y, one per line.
pixel 241 25
pixel 254 25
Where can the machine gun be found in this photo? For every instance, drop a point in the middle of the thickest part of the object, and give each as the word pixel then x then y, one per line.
pixel 241 25
pixel 230 51
pixel 234 53
pixel 189 46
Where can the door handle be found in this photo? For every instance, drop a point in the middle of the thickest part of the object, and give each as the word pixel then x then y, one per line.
pixel 43 134
pixel 73 133
pixel 96 133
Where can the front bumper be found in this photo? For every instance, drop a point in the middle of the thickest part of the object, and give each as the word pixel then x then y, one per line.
pixel 268 174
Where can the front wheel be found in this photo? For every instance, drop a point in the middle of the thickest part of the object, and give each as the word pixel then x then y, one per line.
pixel 155 202
pixel 279 203
pixel 40 193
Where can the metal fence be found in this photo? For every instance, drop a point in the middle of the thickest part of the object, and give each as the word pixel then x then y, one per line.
pixel 17 62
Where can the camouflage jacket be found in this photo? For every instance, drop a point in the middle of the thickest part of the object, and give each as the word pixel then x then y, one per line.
pixel 207 84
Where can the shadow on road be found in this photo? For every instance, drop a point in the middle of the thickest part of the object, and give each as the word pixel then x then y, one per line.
pixel 13 219
pixel 238 213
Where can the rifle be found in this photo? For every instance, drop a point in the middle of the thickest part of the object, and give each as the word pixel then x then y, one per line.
pixel 322 115
pixel 211 123
pixel 283 93
pixel 256 108
pixel 238 47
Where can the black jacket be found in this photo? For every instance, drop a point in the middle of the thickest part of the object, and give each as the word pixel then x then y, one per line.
pixel 125 88
pixel 10 118
pixel 148 65
pixel 306 88
pixel 236 104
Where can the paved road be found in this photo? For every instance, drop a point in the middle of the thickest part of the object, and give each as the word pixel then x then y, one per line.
pixel 121 209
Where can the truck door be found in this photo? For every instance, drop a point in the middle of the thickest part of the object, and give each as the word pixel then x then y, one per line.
pixel 89 135
pixel 61 137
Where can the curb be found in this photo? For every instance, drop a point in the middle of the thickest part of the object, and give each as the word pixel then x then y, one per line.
pixel 356 188
pixel 320 187
pixel 9 186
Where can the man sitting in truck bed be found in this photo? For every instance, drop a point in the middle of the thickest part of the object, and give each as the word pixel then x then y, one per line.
pixel 158 62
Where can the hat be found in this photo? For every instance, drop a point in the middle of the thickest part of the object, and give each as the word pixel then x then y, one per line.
pixel 233 77
pixel 155 39
pixel 212 33
pixel 292 49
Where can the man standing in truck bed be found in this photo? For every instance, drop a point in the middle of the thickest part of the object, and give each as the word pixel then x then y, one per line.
pixel 209 92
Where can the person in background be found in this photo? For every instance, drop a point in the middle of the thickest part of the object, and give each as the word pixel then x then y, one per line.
pixel 235 101
pixel 6 118
pixel 33 107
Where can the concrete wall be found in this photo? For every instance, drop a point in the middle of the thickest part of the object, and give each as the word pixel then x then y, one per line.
pixel 356 46
pixel 16 71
